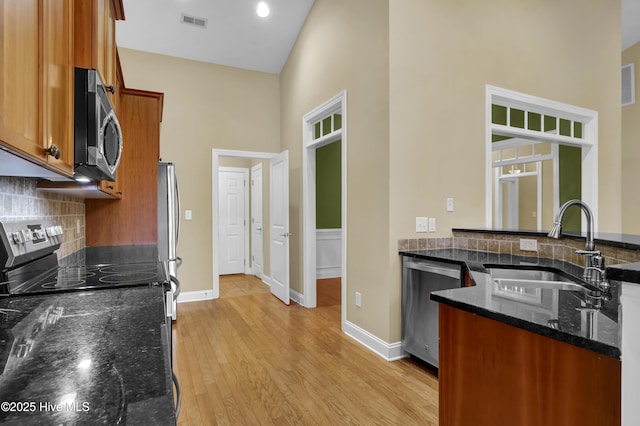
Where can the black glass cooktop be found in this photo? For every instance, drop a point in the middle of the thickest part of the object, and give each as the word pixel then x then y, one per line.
pixel 89 277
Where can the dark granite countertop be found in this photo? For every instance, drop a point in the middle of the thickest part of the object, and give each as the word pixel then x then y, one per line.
pixel 86 358
pixel 559 314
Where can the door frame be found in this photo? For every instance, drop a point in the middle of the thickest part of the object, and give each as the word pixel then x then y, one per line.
pixel 337 104
pixel 215 166
pixel 254 248
pixel 245 174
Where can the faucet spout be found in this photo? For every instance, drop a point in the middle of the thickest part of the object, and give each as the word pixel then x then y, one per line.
pixel 556 230
pixel 594 261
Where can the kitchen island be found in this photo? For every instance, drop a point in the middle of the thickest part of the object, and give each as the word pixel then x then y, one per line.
pixel 540 357
pixel 91 357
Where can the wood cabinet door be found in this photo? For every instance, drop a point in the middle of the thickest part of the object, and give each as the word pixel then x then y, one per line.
pixel 57 87
pixel 20 77
pixel 110 50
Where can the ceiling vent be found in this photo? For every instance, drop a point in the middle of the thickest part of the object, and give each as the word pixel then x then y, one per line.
pixel 193 20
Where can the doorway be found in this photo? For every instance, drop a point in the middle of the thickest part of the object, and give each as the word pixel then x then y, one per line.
pixel 274 217
pixel 322 126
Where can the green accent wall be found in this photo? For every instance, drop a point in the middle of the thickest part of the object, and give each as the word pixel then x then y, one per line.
pixel 329 186
pixel 570 160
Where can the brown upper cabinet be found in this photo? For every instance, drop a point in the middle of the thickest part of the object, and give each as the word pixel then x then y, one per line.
pixel 36 81
pixel 95 39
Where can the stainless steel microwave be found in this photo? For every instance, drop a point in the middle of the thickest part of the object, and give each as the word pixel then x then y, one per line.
pixel 97 132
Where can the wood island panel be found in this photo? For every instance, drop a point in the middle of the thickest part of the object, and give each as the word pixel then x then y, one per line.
pixel 133 219
pixel 491 373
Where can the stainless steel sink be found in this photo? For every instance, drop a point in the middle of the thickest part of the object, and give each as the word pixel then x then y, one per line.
pixel 533 278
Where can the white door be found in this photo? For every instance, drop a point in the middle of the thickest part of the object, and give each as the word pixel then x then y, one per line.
pixel 257 234
pixel 279 228
pixel 231 191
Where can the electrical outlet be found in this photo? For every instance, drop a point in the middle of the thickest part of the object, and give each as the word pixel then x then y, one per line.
pixel 78 226
pixel 421 224
pixel 358 299
pixel 188 215
pixel 528 245
pixel 432 224
pixel 449 204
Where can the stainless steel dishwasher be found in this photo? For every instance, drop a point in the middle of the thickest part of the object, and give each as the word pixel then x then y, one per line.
pixel 419 313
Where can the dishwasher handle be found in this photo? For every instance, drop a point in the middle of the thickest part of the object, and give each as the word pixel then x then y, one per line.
pixel 452 272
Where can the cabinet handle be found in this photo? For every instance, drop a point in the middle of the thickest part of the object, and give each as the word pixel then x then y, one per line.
pixel 110 186
pixel 53 151
pixel 119 192
pixel 110 88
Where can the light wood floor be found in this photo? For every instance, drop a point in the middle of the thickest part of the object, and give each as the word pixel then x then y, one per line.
pixel 247 359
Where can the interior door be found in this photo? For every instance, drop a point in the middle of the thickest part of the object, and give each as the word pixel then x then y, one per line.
pixel 232 221
pixel 257 233
pixel 279 228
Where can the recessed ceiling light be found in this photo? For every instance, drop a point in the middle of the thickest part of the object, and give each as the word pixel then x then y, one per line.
pixel 263 9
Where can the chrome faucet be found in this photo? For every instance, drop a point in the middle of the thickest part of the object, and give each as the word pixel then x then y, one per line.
pixel 594 261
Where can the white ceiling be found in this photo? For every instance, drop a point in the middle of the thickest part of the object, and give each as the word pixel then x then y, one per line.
pixel 237 37
pixel 234 36
pixel 630 23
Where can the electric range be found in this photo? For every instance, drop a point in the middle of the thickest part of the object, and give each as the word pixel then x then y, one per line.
pixel 29 265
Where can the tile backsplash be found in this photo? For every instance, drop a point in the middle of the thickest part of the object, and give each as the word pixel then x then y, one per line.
pixel 563 249
pixel 20 199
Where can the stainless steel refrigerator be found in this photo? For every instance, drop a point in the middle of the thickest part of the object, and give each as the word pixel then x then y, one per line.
pixel 169 228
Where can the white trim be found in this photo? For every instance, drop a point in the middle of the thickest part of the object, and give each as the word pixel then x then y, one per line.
pixel 256 249
pixel 388 351
pixel 247 222
pixel 335 105
pixel 588 143
pixel 215 161
pixel 195 296
pixel 326 139
pixel 296 297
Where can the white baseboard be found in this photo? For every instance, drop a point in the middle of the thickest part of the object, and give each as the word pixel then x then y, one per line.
pixel 195 296
pixel 296 297
pixel 329 272
pixel 388 351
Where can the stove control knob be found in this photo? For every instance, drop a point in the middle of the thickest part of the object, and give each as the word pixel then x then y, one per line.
pixel 51 231
pixel 26 235
pixel 17 237
pixel 59 230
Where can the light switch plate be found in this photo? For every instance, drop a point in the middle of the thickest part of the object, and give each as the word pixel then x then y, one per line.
pixel 449 204
pixel 188 215
pixel 432 224
pixel 421 224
